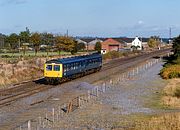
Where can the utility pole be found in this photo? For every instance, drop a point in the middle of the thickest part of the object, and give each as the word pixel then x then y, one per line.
pixel 19 45
pixel 67 33
pixel 170 33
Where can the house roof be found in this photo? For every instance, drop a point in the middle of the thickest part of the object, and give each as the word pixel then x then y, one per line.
pixel 111 41
pixel 95 41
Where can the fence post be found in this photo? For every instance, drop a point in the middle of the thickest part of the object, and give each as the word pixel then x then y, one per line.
pixel 97 94
pixel 53 113
pixel 79 102
pixel 29 125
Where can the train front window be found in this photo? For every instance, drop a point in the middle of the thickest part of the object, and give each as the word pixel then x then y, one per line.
pixel 56 67
pixel 49 67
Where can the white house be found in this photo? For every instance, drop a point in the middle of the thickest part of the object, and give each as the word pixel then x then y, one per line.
pixel 137 43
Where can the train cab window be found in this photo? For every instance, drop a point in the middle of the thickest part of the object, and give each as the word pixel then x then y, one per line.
pixel 49 67
pixel 56 67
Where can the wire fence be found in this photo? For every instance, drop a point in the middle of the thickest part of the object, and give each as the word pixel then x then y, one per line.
pixel 51 118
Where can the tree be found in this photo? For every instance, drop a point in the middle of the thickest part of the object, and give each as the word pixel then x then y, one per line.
pixel 81 46
pixel 48 40
pixel 36 40
pixel 135 48
pixel 12 40
pixel 24 39
pixel 98 47
pixel 154 41
pixel 75 48
pixel 64 43
pixel 176 47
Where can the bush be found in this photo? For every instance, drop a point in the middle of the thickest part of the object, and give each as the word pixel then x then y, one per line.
pixel 5 56
pixel 174 75
pixel 170 71
pixel 112 55
pixel 177 92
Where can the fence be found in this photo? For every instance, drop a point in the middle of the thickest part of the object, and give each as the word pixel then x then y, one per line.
pixel 51 118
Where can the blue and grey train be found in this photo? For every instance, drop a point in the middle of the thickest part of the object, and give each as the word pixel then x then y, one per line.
pixel 59 70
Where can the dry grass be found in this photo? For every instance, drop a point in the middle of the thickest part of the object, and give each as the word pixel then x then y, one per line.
pixel 170 121
pixel 21 71
pixel 170 97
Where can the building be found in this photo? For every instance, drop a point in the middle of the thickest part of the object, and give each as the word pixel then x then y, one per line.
pixel 137 44
pixel 91 45
pixel 89 42
pixel 110 45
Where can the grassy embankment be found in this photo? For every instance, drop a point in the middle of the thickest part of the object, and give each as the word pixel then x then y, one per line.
pixel 171 71
pixel 17 68
pixel 170 98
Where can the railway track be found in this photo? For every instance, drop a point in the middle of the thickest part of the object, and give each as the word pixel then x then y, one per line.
pixel 7 96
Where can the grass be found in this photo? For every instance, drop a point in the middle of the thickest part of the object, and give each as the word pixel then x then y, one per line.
pixel 31 53
pixel 14 58
pixel 169 121
pixel 171 94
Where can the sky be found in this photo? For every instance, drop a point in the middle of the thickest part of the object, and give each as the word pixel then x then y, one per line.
pixel 97 18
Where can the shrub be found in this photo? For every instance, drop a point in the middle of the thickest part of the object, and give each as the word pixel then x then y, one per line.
pixel 170 71
pixel 5 56
pixel 112 55
pixel 177 92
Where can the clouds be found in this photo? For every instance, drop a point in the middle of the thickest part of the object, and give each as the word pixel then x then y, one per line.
pixel 140 22
pixel 13 2
pixel 141 28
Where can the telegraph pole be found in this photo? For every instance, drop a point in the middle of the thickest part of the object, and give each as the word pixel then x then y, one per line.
pixel 67 33
pixel 170 33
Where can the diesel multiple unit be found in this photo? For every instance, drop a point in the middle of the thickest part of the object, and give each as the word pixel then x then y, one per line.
pixel 59 70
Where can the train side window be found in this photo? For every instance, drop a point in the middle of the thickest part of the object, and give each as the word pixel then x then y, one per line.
pixel 65 68
pixel 74 66
pixel 56 67
pixel 77 65
pixel 49 67
pixel 68 67
pixel 71 66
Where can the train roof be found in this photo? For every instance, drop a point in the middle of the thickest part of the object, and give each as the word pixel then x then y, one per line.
pixel 74 59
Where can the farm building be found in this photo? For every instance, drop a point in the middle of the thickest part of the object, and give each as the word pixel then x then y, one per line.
pixel 110 45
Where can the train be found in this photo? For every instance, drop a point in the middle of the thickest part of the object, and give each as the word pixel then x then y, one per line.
pixel 60 70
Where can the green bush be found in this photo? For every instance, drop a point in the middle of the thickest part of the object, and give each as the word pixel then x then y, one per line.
pixel 174 75
pixel 5 56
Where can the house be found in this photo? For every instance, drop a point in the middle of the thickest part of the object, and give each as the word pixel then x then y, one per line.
pixel 91 45
pixel 110 45
pixel 89 42
pixel 137 44
pixel 81 41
